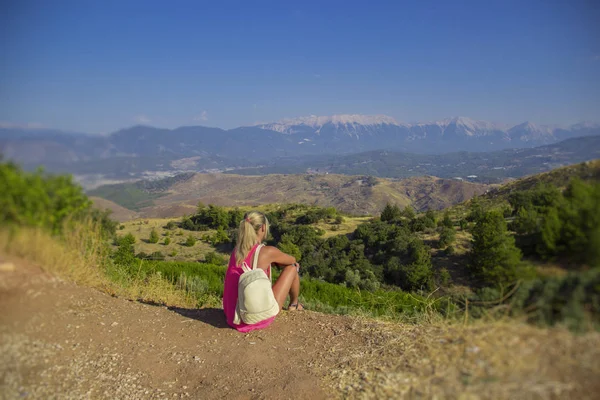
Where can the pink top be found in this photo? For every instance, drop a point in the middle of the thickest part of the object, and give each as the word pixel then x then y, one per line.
pixel 230 294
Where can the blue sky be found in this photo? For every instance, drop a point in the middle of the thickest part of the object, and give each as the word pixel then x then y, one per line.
pixel 99 66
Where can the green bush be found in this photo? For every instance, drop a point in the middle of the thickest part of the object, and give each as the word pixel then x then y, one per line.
pixel 41 200
pixel 214 259
pixel 171 225
pixel 190 241
pixel 167 241
pixel 153 236
pixel 447 237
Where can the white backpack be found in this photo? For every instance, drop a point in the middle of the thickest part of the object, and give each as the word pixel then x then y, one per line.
pixel 256 301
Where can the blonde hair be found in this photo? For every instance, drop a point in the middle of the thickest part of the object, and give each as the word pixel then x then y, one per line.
pixel 248 234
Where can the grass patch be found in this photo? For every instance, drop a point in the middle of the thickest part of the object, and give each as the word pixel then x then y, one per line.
pixel 82 256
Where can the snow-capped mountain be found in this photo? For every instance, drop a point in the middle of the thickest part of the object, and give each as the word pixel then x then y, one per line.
pixel 335 127
pixel 313 135
pixel 450 134
pixel 528 132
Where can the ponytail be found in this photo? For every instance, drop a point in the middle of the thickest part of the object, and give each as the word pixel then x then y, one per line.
pixel 248 234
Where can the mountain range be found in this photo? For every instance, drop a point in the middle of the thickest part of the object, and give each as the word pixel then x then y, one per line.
pixel 133 150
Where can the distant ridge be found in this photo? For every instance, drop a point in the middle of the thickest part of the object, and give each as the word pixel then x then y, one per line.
pixel 135 150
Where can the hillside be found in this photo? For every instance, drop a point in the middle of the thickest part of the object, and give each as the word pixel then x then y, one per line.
pixel 118 212
pixel 60 338
pixel 351 194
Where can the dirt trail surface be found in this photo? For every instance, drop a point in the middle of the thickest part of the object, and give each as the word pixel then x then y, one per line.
pixel 59 340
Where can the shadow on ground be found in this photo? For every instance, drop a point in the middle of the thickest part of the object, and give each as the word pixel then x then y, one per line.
pixel 210 316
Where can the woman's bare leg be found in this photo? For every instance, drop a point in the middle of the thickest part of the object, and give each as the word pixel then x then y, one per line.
pixel 287 283
pixel 295 292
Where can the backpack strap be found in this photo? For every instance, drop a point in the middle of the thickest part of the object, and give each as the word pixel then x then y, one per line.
pixel 255 261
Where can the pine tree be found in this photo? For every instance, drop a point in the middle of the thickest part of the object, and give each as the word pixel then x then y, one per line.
pixel 494 256
pixel 390 212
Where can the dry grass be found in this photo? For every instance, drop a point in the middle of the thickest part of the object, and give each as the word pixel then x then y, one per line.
pixel 81 258
pixel 348 226
pixel 141 228
pixel 497 360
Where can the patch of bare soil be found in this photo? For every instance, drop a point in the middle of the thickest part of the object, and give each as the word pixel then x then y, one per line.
pixel 59 340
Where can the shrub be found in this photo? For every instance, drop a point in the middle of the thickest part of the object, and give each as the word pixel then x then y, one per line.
pixel 41 200
pixel 447 237
pixel 214 259
pixel 444 277
pixel 167 241
pixel 171 225
pixel 446 221
pixel 153 236
pixel 121 227
pixel 190 241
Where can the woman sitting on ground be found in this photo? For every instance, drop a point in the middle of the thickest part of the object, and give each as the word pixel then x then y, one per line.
pixel 254 228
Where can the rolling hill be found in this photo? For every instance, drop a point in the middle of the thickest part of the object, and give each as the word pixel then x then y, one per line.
pixel 359 195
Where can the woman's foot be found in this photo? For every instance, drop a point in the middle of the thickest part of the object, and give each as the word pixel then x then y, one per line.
pixel 295 307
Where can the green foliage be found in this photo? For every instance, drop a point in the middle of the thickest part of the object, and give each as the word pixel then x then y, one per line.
pixel 212 217
pixel 153 236
pixel 214 259
pixel 290 248
pixel 167 241
pixel 408 212
pixel 128 239
pixel 476 210
pixel 443 277
pixel 315 215
pixel 447 237
pixel 171 225
pixel 41 200
pixel 125 253
pixel 572 300
pixel 551 224
pixel 447 222
pixel 190 241
pixel 494 256
pixel 424 223
pixel 390 213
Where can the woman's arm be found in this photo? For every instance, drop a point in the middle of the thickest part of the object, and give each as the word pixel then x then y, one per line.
pixel 272 255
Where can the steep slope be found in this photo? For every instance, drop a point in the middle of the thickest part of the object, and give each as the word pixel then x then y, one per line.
pixel 560 177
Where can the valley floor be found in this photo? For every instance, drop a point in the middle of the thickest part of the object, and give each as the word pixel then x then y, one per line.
pixel 60 340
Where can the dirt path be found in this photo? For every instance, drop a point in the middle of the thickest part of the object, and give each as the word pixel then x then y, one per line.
pixel 58 340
